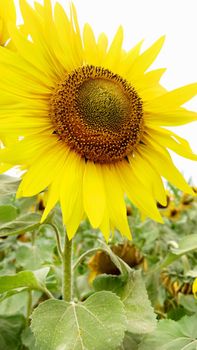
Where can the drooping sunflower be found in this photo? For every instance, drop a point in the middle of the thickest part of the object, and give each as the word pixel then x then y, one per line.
pixel 194 288
pixel 90 119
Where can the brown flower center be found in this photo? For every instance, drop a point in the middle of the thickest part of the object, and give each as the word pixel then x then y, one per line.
pixel 97 114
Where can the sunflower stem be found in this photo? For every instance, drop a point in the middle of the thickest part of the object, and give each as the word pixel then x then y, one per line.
pixel 83 256
pixel 58 241
pixel 67 280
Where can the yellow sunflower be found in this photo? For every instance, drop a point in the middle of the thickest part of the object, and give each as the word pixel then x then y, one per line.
pixel 90 120
pixel 194 288
pixel 7 13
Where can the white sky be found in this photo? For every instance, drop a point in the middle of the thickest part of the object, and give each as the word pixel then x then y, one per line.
pixel 149 19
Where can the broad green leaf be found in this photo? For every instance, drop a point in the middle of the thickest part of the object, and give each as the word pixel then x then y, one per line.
pixel 23 279
pixel 32 257
pixel 8 185
pixel 7 213
pixel 130 342
pixel 10 331
pixel 28 257
pixel 186 245
pixel 139 312
pixel 21 224
pixel 98 323
pixel 188 302
pixel 109 282
pixel 17 303
pixel 28 339
pixel 173 335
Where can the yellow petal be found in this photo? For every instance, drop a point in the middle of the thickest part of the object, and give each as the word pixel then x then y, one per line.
pixel 170 140
pixel 115 200
pixel 114 52
pixel 160 159
pixel 147 80
pixel 71 184
pixel 152 181
pixel 177 117
pixel 194 288
pixel 90 46
pixel 172 99
pixel 93 194
pixel 137 192
pixel 27 150
pixel 4 167
pixel 7 14
pixel 144 61
pixel 105 225
pixel 130 58
pixel 78 213
pixel 102 46
pixel 42 172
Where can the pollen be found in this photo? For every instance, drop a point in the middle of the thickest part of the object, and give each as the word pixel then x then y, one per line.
pixel 98 114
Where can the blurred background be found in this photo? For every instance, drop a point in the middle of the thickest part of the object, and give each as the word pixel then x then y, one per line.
pixel 148 20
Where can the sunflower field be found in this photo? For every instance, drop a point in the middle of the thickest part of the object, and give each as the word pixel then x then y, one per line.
pixel 151 277
pixel 98 227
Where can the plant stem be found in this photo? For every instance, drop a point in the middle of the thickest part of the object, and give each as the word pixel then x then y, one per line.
pixel 67 283
pixel 58 240
pixel 47 293
pixel 80 259
pixel 29 306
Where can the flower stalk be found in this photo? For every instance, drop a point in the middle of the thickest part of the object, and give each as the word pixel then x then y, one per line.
pixel 67 278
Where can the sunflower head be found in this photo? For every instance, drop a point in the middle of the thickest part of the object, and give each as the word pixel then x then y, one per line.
pixel 100 263
pixel 108 122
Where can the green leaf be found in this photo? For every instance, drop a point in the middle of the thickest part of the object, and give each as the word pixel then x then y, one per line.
pixel 188 302
pixel 186 245
pixel 28 257
pixel 23 279
pixel 7 213
pixel 17 303
pixel 172 335
pixel 10 331
pixel 98 323
pixel 139 312
pixel 130 342
pixel 21 224
pixel 109 282
pixel 8 185
pixel 28 339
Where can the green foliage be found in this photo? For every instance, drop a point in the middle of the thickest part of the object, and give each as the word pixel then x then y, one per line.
pixel 23 223
pixel 109 311
pixel 186 245
pixel 23 279
pixel 171 335
pixel 10 331
pixel 98 323
pixel 139 312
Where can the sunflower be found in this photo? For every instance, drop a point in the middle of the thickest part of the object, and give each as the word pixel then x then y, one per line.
pixel 90 120
pixel 100 263
pixel 6 14
pixel 194 288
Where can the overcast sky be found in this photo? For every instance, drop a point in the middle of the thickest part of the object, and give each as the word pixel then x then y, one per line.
pixel 149 19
